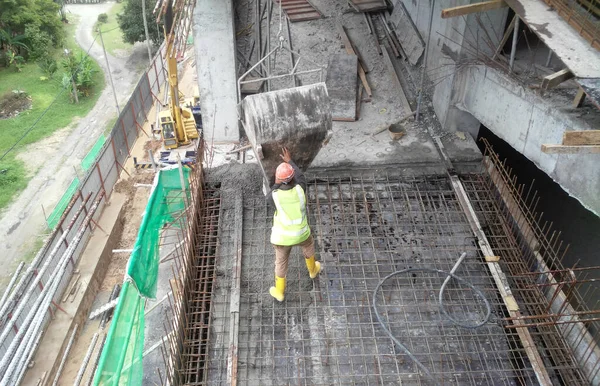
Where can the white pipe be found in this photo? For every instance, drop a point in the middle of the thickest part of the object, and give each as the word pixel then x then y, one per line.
pixel 38 311
pixel 65 355
pixel 34 285
pixel 11 284
pixel 86 360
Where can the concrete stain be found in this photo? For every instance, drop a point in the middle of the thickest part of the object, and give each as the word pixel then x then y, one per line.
pixel 541 29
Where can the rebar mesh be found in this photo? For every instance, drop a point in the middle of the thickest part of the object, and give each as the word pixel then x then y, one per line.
pixel 325 332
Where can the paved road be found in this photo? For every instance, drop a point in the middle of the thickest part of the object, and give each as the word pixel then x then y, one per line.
pixel 23 222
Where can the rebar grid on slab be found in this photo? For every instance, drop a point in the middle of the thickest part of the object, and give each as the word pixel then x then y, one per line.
pixel 368 224
pixel 367 227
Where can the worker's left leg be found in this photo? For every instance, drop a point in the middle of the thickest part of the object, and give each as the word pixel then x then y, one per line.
pixel 308 250
pixel 282 255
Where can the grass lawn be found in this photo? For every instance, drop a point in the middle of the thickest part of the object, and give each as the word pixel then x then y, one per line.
pixel 12 171
pixel 111 33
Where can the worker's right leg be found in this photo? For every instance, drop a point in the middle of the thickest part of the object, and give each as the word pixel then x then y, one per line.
pixel 308 250
pixel 282 255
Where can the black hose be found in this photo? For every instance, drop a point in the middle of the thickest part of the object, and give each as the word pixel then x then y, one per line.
pixel 440 303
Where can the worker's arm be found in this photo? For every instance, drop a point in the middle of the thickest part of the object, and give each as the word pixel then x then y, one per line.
pixel 270 194
pixel 299 177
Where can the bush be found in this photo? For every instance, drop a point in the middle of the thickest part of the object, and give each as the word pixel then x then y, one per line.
pixel 48 66
pixel 40 43
pixel 102 18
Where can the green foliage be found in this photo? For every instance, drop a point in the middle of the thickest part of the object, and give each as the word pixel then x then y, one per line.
pixel 19 63
pixel 27 26
pixel 82 70
pixel 60 115
pixel 48 66
pixel 40 42
pixel 132 24
pixel 102 18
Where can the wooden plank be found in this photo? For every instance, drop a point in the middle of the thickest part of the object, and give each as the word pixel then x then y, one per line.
pixel 583 137
pixel 299 10
pixel 579 98
pixel 502 284
pixel 509 31
pixel 392 70
pixel 563 149
pixel 408 35
pixel 472 8
pixel 555 79
pixel 350 50
pixel 341 86
pixel 368 5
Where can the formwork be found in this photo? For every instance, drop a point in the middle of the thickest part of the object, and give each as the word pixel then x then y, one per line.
pixel 368 224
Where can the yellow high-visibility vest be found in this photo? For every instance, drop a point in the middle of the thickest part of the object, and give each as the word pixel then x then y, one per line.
pixel 290 224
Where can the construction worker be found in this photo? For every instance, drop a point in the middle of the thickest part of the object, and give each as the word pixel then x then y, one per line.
pixel 290 223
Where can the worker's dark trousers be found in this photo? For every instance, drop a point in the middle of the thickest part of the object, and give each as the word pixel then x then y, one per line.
pixel 282 254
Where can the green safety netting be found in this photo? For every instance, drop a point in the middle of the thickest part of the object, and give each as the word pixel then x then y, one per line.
pixel 121 359
pixel 88 161
pixel 62 204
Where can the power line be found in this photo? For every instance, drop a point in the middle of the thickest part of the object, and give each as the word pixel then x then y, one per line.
pixel 46 110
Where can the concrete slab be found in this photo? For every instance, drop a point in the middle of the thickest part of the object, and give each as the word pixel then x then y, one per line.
pixel 366 226
pixel 575 52
pixel 214 42
pixel 341 86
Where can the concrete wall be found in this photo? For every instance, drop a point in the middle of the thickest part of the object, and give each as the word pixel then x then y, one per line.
pixel 526 121
pixel 214 42
pixel 453 41
pixel 467 94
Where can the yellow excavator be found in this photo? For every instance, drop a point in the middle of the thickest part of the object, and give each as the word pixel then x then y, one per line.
pixel 178 125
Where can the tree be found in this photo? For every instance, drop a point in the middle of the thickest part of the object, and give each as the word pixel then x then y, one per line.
pixel 132 25
pixel 78 77
pixel 34 23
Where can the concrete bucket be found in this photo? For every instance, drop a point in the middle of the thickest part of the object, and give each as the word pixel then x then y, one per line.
pixel 297 118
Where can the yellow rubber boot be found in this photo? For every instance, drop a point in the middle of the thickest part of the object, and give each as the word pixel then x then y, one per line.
pixel 314 267
pixel 278 292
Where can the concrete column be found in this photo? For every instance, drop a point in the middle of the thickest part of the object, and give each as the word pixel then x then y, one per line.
pixel 215 45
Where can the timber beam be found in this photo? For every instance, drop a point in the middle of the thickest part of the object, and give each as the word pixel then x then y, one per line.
pixel 555 79
pixel 472 8
pixel 583 137
pixel 565 149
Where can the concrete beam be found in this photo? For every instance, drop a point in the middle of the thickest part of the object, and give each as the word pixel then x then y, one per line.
pixel 472 8
pixel 563 149
pixel 215 46
pixel 583 137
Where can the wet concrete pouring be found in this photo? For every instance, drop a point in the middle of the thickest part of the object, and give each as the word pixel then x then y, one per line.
pixel 367 224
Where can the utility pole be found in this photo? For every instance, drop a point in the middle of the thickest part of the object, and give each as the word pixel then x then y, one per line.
pixel 146 30
pixel 109 73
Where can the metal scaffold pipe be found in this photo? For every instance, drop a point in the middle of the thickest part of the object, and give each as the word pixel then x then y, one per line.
pixel 21 345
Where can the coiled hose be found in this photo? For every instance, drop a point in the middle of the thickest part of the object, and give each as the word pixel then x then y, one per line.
pixel 449 275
